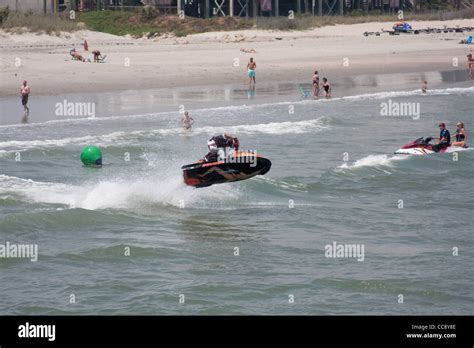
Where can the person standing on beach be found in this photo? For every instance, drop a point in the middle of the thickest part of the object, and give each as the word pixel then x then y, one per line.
pixel 470 64
pixel 25 92
pixel 424 86
pixel 327 88
pixel 316 84
pixel 251 66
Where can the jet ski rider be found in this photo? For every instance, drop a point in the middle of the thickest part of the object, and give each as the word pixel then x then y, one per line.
pixel 220 142
pixel 444 138
pixel 461 135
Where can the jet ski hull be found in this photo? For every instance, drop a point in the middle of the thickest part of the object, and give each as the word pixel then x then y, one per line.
pixel 417 151
pixel 422 146
pixel 204 174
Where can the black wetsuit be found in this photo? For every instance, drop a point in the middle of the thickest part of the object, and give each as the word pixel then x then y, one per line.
pixel 443 134
pixel 214 144
pixel 220 141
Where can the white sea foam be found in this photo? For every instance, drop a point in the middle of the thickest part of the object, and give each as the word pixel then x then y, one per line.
pixel 395 94
pixel 123 138
pixel 118 194
pixel 204 111
pixel 276 128
pixel 106 139
pixel 373 161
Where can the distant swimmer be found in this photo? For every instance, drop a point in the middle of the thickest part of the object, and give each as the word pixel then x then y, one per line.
pixel 251 66
pixel 248 50
pixel 327 88
pixel 461 135
pixel 25 92
pixel 187 121
pixel 470 63
pixel 315 80
pixel 424 86
pixel 444 138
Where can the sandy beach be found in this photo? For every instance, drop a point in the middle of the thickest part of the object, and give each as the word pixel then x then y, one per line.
pixel 215 58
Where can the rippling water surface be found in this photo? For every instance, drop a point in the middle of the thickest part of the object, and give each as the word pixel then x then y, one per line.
pixel 334 179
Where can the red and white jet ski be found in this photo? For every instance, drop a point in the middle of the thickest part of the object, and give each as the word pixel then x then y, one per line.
pixel 422 146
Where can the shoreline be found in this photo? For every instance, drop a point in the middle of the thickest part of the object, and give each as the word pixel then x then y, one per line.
pixel 198 98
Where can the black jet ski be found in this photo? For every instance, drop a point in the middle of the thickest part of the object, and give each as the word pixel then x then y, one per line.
pixel 238 166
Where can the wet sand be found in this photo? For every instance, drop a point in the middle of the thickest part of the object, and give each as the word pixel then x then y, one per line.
pixel 150 101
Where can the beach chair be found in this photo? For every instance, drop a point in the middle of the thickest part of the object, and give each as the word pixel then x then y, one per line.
pixel 468 41
pixel 303 92
pixel 102 59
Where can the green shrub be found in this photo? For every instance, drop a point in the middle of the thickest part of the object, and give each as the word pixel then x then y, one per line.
pixel 181 33
pixel 38 23
pixel 278 23
pixel 148 13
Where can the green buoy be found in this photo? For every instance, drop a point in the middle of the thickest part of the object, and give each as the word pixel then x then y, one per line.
pixel 91 156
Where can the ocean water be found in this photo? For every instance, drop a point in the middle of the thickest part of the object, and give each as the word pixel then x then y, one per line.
pixel 334 179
